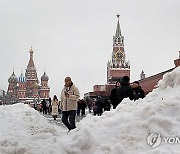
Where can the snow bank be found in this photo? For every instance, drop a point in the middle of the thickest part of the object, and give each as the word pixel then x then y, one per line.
pixel 24 130
pixel 125 130
pixel 121 131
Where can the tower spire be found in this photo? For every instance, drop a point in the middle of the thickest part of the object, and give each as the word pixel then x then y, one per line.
pixel 31 62
pixel 118 67
pixel 118 29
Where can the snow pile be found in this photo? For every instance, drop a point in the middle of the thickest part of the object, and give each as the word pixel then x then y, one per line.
pixel 125 130
pixel 121 131
pixel 24 130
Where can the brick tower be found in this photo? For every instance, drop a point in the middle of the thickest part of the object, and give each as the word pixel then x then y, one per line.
pixel 177 61
pixel 12 85
pixel 118 66
pixel 31 76
pixel 44 88
pixel 21 92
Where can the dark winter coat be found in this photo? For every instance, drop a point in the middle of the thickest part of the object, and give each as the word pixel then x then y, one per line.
pixel 44 104
pixel 124 91
pixel 107 105
pixel 113 97
pixel 138 93
pixel 99 105
pixel 83 104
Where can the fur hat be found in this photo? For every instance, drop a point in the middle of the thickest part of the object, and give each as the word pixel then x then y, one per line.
pixel 126 78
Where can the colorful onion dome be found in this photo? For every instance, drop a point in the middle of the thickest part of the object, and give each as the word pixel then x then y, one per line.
pixel 13 78
pixel 21 78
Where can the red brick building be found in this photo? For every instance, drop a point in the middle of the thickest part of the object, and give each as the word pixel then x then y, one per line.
pixel 27 88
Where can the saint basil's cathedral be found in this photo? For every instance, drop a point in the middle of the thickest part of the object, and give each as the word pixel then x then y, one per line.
pixel 27 88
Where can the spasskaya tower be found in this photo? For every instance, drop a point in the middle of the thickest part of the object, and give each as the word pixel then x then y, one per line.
pixel 118 66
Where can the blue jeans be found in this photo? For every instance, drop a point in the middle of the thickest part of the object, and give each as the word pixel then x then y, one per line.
pixel 68 118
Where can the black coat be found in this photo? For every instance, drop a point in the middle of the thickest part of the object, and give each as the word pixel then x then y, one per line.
pixel 107 105
pixel 138 93
pixel 113 97
pixel 124 91
pixel 44 103
pixel 99 105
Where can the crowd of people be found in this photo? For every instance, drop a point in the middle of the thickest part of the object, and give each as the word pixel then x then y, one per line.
pixel 70 105
pixel 123 89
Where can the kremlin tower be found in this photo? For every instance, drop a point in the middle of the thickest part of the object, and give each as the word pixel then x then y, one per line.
pixel 118 66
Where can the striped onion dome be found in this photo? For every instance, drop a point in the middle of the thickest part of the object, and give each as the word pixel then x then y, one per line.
pixel 21 78
pixel 13 78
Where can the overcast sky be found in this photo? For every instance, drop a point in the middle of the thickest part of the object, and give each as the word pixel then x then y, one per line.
pixel 74 38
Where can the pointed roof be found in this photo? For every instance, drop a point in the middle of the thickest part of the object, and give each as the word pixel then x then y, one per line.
pixel 118 29
pixel 31 62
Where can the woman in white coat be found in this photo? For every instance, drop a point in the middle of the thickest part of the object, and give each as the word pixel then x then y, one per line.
pixel 55 105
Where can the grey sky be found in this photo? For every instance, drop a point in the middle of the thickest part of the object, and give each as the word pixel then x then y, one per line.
pixel 74 38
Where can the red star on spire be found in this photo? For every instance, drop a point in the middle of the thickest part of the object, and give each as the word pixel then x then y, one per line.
pixel 118 16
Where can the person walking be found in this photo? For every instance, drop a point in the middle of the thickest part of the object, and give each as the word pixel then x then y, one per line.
pixel 99 105
pixel 113 97
pixel 78 107
pixel 83 107
pixel 50 105
pixel 94 107
pixel 89 103
pixel 137 91
pixel 44 106
pixel 47 106
pixel 69 96
pixel 125 90
pixel 55 104
pixel 107 105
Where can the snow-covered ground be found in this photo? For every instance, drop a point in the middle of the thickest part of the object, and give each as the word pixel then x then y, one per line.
pixel 122 131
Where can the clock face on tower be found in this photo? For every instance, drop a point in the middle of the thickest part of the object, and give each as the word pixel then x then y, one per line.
pixel 119 55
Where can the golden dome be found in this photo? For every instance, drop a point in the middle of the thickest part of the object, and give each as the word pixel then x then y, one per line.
pixel 34 86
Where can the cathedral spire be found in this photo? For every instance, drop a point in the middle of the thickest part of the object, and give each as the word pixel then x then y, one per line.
pixel 118 29
pixel 31 62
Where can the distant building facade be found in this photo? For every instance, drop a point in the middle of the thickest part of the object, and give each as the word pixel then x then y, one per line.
pixel 27 88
